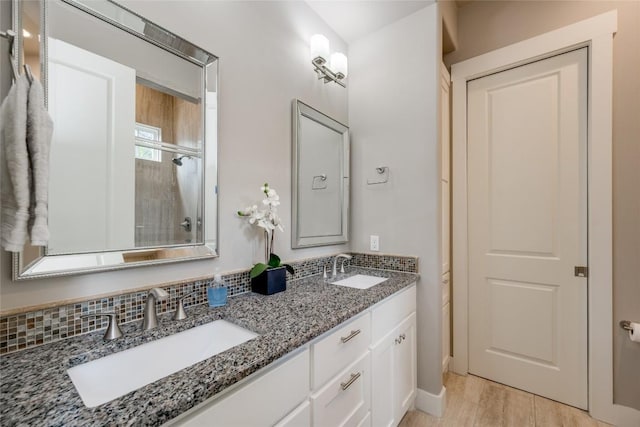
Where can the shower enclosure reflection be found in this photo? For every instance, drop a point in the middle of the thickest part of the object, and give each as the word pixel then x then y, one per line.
pixel 168 166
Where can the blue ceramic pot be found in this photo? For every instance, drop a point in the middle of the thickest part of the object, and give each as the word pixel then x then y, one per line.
pixel 271 281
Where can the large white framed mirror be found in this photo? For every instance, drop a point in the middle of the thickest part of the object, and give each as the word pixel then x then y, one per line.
pixel 320 178
pixel 133 164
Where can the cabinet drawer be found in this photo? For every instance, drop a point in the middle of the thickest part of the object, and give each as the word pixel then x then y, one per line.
pixel 299 417
pixel 346 399
pixel 366 421
pixel 390 313
pixel 333 353
pixel 446 288
pixel 255 403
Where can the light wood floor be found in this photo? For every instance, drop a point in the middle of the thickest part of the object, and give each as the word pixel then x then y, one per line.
pixel 474 401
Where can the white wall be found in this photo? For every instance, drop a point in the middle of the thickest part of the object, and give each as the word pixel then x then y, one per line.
pixel 264 64
pixel 393 113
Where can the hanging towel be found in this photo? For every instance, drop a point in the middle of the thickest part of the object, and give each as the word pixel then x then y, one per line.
pixel 39 132
pixel 15 166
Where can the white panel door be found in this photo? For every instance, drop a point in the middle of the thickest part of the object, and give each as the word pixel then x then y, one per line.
pixel 92 151
pixel 527 227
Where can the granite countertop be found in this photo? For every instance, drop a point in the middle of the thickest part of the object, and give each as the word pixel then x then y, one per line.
pixel 36 390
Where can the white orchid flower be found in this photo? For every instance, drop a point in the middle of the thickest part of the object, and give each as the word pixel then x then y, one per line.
pixel 248 210
pixel 267 218
pixel 272 198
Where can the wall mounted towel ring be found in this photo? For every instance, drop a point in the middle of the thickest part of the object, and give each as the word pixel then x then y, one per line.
pixel 383 178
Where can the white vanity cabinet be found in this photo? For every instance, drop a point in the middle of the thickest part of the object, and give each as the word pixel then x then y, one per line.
pixel 362 373
pixel 263 401
pixel 299 417
pixel 340 348
pixel 346 399
pixel 341 374
pixel 394 367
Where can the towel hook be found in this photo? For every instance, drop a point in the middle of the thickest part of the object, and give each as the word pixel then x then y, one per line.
pixel 10 35
pixel 29 74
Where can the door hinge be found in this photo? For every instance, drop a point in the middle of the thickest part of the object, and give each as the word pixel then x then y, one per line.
pixel 581 271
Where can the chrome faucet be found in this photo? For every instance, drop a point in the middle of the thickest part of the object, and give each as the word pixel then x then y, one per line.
pixel 150 316
pixel 334 272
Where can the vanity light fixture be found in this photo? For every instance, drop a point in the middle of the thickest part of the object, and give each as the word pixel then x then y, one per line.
pixel 320 54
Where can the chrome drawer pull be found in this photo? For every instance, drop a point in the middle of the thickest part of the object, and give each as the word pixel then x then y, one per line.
pixel 351 335
pixel 346 385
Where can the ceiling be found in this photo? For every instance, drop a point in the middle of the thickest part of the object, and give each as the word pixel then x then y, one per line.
pixel 354 19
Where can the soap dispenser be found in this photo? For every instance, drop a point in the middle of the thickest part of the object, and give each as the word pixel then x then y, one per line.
pixel 217 293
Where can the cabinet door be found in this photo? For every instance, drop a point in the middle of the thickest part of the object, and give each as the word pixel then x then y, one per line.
pixel 382 385
pixel 446 341
pixel 388 314
pixel 446 227
pixel 445 121
pixel 405 366
pixel 366 421
pixel 446 289
pixel 394 378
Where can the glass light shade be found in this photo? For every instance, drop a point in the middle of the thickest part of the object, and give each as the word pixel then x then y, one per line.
pixel 339 63
pixel 319 47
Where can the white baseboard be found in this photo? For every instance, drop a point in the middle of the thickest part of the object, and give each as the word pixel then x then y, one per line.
pixel 626 417
pixel 432 404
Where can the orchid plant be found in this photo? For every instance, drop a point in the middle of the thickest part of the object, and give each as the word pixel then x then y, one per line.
pixel 267 219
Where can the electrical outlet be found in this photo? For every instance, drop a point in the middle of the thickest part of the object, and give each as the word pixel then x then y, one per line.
pixel 374 243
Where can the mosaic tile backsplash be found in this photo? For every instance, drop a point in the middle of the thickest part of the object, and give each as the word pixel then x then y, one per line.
pixel 32 328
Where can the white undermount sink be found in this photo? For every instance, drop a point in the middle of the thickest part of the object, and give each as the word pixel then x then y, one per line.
pixel 360 281
pixel 115 375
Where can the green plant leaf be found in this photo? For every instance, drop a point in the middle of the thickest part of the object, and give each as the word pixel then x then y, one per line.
pixel 257 270
pixel 289 268
pixel 274 260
